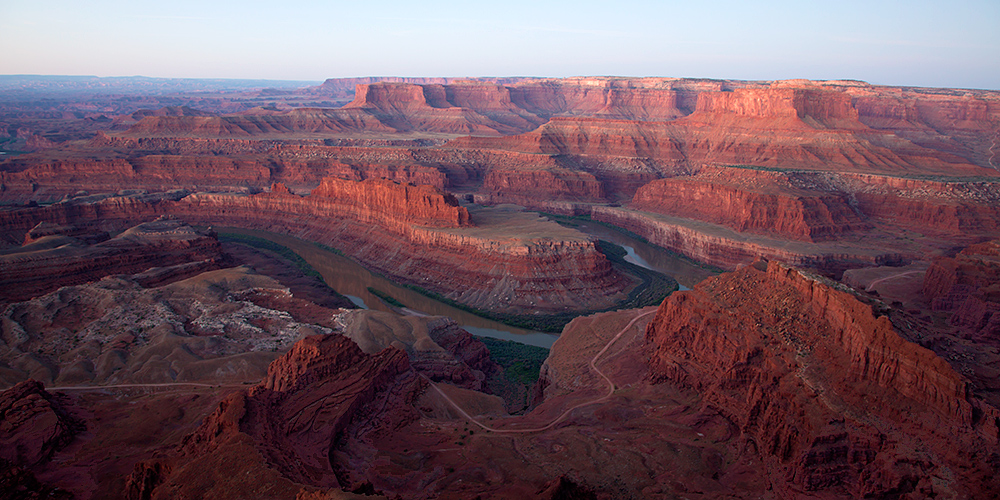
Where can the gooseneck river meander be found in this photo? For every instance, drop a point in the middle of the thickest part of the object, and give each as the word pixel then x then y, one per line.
pixel 353 280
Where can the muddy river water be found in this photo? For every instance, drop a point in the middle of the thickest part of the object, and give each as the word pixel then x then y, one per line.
pixel 353 280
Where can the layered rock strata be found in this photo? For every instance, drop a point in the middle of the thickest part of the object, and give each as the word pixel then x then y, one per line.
pixel 781 211
pixel 281 433
pixel 814 206
pixel 436 346
pixel 33 424
pixel 382 201
pixel 543 272
pixel 55 260
pixel 968 286
pixel 830 396
pixel 805 128
pixel 722 247
pixel 376 222
pixel 215 327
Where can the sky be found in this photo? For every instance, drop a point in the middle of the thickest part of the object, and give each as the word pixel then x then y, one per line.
pixel 947 43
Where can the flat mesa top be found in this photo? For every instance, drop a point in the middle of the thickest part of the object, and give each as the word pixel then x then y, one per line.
pixel 512 223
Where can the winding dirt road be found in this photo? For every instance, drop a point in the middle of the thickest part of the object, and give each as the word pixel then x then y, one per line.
pixel 593 366
pixel 871 286
pixel 563 415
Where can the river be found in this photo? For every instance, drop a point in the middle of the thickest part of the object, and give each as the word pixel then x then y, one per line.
pixel 686 271
pixel 352 280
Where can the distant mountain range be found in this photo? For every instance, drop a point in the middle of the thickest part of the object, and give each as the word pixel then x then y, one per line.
pixel 137 84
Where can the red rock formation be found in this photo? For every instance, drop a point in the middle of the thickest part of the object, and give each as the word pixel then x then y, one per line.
pixel 832 397
pixel 381 201
pixel 957 122
pixel 587 136
pixel 436 346
pixel 531 187
pixel 451 106
pixel 802 128
pixel 48 180
pixel 773 127
pixel 774 208
pixel 477 109
pixel 727 249
pixel 33 425
pixel 645 99
pixel 954 208
pixel 296 121
pixel 787 107
pixel 543 272
pixel 36 269
pixel 294 418
pixel 969 285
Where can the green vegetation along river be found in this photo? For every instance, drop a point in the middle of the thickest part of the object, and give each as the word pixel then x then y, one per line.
pixel 353 280
pixel 687 272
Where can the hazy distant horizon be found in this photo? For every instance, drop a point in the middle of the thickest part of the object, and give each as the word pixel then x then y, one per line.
pixel 918 43
pixel 210 84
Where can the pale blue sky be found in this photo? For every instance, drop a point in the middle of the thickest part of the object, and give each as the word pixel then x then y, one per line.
pixel 952 43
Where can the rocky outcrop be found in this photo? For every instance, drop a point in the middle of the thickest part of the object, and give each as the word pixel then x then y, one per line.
pixel 293 420
pixel 436 346
pixel 785 106
pixel 33 425
pixel 492 106
pixel 587 136
pixel 552 270
pixel 470 108
pixel 545 273
pixel 47 180
pixel 614 98
pixel 55 261
pixel 386 202
pixel 727 249
pixel 782 211
pixel 803 128
pixel 969 285
pixel 958 122
pixel 297 121
pixel 829 395
pixel 220 326
pixel 817 207
pixel 770 127
pixel 529 187
pixel 955 208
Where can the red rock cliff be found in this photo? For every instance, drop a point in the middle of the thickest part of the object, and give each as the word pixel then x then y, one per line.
pixel 816 107
pixel 742 201
pixel 816 382
pixel 969 285
pixel 492 266
pixel 292 421
pixel 377 201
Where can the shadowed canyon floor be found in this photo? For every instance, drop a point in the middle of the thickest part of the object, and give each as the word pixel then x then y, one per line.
pixel 169 330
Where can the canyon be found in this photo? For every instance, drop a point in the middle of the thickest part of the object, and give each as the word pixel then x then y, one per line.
pixel 158 343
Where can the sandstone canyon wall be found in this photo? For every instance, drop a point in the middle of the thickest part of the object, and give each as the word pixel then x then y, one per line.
pixel 820 387
pixel 414 234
